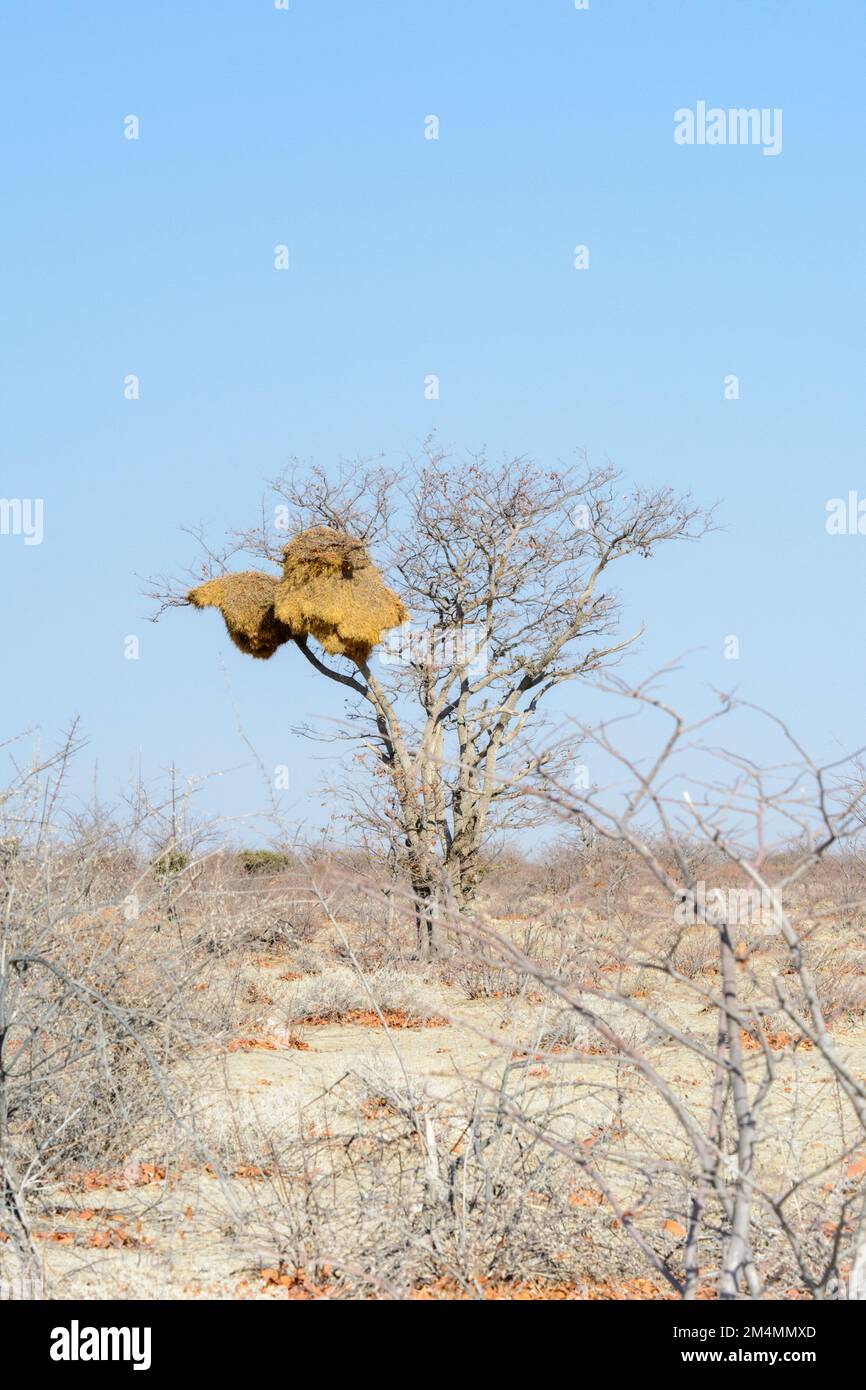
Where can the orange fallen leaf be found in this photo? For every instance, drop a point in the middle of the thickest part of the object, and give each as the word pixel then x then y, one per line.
pixel 585 1197
pixel 369 1018
pixel 290 1043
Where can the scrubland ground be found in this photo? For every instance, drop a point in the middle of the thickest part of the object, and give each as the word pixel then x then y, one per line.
pixel 224 1083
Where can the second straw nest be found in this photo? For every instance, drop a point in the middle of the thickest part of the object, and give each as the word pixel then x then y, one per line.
pixel 330 589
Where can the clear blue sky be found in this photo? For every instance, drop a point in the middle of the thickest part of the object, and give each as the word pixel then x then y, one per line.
pixel 409 257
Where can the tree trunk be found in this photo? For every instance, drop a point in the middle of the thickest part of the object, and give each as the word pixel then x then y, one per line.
pixel 424 917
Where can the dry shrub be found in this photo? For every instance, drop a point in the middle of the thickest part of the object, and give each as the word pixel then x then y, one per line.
pixel 97 1020
pixel 696 952
pixel 565 1032
pixel 109 1002
pixel 843 997
pixel 332 590
pixel 246 602
pixel 431 1188
pixel 480 979
pixel 340 991
pixel 263 861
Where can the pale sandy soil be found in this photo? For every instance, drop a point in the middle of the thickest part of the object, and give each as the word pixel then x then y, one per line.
pixel 267 1117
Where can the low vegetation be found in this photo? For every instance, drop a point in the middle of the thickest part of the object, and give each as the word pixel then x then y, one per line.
pixel 253 1087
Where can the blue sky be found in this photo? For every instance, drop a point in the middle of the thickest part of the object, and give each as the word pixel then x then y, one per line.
pixel 408 257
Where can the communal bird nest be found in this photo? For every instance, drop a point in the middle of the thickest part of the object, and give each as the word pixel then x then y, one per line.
pixel 330 590
pixel 246 602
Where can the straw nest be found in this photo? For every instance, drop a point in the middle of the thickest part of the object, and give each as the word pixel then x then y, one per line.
pixel 246 602
pixel 332 590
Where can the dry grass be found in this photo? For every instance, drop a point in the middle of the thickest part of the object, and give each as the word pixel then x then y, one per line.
pixel 245 1153
pixel 332 590
pixel 339 993
pixel 246 602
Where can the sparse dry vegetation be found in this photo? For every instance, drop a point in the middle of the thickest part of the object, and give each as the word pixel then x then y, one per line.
pixel 255 1089
pixel 418 1063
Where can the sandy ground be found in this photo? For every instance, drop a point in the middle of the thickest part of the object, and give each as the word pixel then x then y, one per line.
pixel 210 1229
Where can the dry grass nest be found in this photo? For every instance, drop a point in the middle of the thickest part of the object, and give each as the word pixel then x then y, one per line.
pixel 246 602
pixel 330 590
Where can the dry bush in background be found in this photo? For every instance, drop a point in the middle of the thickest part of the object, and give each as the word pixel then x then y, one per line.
pixel 750 968
pixel 619 1075
pixel 120 947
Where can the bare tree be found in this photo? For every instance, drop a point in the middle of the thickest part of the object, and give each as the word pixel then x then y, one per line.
pixel 757 832
pixel 504 568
